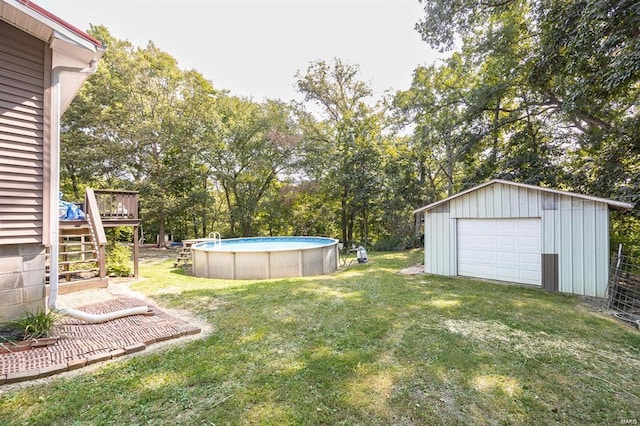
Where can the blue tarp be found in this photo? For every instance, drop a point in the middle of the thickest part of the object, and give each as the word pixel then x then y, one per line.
pixel 69 211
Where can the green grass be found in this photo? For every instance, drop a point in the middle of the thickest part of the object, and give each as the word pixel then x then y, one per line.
pixel 362 346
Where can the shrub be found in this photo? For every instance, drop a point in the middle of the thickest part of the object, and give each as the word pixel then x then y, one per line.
pixel 392 243
pixel 118 260
pixel 120 233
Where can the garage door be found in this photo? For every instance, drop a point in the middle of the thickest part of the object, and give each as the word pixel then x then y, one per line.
pixel 500 249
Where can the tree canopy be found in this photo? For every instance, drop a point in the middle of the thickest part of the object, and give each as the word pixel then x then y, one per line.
pixel 568 72
pixel 538 91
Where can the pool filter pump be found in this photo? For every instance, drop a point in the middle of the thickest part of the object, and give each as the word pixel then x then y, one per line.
pixel 361 254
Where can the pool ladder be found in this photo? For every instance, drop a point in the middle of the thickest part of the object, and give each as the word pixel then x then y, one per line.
pixel 215 238
pixel 184 257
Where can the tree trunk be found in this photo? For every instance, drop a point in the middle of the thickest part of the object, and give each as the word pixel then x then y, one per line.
pixel 161 231
pixel 450 162
pixel 343 218
pixel 496 134
pixel 194 221
pixel 365 226
pixel 205 210
pixel 246 228
pixel 418 224
pixel 74 185
pixel 350 222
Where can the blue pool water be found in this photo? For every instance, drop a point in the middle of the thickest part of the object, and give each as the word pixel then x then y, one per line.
pixel 265 244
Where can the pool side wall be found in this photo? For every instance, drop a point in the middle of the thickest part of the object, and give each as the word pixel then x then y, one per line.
pixel 265 265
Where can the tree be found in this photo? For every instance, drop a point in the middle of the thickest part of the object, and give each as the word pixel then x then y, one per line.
pixel 341 148
pixel 91 151
pixel 436 106
pixel 249 146
pixel 573 70
pixel 136 125
pixel 152 132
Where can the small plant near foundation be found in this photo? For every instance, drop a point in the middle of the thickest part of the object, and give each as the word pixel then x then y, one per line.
pixel 30 331
pixel 35 325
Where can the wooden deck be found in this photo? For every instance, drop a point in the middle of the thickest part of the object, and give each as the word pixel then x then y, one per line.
pixel 82 254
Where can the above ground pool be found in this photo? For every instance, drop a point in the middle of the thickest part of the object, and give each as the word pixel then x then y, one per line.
pixel 265 257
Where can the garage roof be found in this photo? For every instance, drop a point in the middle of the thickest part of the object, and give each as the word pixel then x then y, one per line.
pixel 611 203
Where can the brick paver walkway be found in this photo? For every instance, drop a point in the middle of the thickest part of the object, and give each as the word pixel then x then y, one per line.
pixel 82 344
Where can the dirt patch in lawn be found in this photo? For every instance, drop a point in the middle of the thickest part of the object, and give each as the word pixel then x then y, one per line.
pixel 412 270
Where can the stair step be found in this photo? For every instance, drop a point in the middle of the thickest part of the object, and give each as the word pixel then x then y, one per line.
pixel 78 271
pixel 76 262
pixel 184 258
pixel 69 253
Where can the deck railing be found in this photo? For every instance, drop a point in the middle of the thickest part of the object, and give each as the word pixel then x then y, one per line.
pixel 116 204
pixel 119 208
pixel 96 228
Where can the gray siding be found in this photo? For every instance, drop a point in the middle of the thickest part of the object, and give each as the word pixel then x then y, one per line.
pixel 575 229
pixel 21 136
pixel 497 201
pixel 440 247
pixel 578 231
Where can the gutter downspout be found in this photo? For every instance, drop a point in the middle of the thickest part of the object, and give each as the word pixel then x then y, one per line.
pixel 54 220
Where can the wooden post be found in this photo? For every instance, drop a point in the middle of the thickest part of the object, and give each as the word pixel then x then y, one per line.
pixel 135 251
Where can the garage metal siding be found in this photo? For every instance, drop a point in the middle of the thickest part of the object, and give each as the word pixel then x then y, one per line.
pixel 438 244
pixel 578 231
pixel 602 248
pixel 577 245
pixel 497 201
pixel 21 136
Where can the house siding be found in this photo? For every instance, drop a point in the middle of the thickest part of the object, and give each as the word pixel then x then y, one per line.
pixel 574 229
pixel 22 112
pixel 21 136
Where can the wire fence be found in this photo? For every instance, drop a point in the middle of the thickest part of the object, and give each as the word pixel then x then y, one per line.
pixel 623 291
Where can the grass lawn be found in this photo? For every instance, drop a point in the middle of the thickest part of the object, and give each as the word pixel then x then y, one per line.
pixel 362 346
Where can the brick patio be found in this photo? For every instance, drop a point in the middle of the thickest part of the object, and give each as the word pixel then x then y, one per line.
pixel 82 344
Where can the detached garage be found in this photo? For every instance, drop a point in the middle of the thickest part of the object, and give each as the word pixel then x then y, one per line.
pixel 520 233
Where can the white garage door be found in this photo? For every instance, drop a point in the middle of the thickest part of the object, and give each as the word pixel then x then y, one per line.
pixel 500 249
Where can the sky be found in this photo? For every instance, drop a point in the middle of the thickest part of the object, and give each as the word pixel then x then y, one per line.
pixel 253 48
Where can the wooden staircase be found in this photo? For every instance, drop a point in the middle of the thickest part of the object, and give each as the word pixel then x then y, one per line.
pixel 82 245
pixel 77 250
pixel 79 259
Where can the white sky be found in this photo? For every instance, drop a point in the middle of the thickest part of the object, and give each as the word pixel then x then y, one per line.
pixel 254 48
